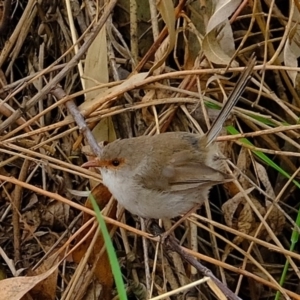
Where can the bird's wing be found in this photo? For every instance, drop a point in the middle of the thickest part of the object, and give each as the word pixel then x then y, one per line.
pixel 185 171
pixel 193 175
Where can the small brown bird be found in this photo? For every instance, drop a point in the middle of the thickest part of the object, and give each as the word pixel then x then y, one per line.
pixel 166 175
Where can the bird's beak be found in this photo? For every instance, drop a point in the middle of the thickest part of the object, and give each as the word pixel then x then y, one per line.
pixel 92 164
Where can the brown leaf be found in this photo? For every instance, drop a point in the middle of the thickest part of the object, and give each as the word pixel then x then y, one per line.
pixel 45 289
pixel 239 215
pixel 218 45
pixel 15 288
pixel 167 11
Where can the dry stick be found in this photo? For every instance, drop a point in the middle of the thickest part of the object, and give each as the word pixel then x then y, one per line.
pixel 58 242
pixel 159 40
pixel 14 37
pixel 16 207
pixel 21 81
pixel 172 244
pixel 59 93
pixel 79 207
pixel 72 63
pixel 5 16
pixel 97 102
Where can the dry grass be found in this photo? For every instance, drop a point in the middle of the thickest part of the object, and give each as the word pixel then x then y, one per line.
pixel 244 242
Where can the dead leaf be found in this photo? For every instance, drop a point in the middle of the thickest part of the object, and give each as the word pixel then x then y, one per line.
pixel 239 215
pixel 222 11
pixel 96 64
pixel 218 43
pixel 276 218
pixel 230 207
pixel 291 50
pixel 104 131
pixel 46 289
pixel 291 53
pixel 96 71
pixel 15 288
pixel 166 8
pixel 147 116
pixel 264 179
pixel 197 31
pixel 55 214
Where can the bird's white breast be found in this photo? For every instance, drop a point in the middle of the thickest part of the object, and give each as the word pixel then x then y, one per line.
pixel 149 203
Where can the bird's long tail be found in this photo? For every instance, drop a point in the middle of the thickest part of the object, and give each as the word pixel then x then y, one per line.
pixel 234 96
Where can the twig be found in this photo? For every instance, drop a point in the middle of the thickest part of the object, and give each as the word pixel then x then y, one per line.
pixel 59 93
pixel 16 208
pixel 72 63
pixel 5 16
pixel 172 244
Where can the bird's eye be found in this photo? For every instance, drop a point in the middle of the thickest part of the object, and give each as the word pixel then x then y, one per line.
pixel 115 162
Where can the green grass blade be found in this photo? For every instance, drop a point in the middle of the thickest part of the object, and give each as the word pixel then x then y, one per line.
pixel 111 252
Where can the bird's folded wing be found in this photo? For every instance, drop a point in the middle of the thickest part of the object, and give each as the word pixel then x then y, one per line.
pixel 193 175
pixel 182 172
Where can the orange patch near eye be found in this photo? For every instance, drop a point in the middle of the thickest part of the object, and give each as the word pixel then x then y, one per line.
pixel 113 163
pixel 116 162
